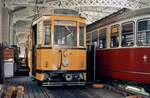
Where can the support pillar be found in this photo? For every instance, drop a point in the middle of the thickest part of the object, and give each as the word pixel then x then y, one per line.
pixel 1 14
pixel 4 24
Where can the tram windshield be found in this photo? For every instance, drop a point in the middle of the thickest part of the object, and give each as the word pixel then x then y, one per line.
pixel 65 33
pixel 143 34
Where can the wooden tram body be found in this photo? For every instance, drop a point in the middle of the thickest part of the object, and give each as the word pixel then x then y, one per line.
pixel 57 50
pixel 122 46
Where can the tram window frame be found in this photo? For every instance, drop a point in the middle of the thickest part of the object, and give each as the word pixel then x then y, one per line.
pixel 147 30
pixel 103 31
pixel 118 39
pixel 89 37
pixel 39 33
pixel 82 34
pixel 95 40
pixel 49 33
pixel 64 44
pixel 132 43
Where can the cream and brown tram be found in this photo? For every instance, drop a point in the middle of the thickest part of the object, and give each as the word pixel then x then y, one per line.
pixel 57 50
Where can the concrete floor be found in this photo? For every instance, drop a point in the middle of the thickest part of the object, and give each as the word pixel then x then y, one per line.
pixel 32 90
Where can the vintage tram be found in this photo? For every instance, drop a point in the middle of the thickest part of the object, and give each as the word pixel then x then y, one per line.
pixel 122 42
pixel 57 50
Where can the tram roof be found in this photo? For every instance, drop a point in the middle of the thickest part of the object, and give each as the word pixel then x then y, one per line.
pixel 40 17
pixel 118 16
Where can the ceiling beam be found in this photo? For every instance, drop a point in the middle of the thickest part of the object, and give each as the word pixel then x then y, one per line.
pixel 83 6
pixel 82 3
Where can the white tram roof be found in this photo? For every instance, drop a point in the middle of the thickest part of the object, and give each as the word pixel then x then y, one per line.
pixel 118 16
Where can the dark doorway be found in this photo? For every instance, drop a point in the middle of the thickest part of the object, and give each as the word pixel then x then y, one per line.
pixel 91 63
pixel 34 42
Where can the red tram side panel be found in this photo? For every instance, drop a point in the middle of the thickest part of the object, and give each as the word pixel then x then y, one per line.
pixel 129 64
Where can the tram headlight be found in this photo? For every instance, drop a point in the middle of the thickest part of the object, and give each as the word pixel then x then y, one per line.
pixel 68 77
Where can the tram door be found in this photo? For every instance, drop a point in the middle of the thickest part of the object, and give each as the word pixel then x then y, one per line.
pixel 34 41
pixel 91 62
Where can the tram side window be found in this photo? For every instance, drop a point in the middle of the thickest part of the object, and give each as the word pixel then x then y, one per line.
pixel 39 33
pixel 143 33
pixel 65 33
pixel 47 33
pixel 88 38
pixel 95 38
pixel 102 38
pixel 82 27
pixel 34 34
pixel 114 36
pixel 127 35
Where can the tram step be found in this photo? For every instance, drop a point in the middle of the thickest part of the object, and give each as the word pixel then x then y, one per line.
pixel 98 85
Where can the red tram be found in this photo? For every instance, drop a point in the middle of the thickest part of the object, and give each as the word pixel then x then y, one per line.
pixel 123 46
